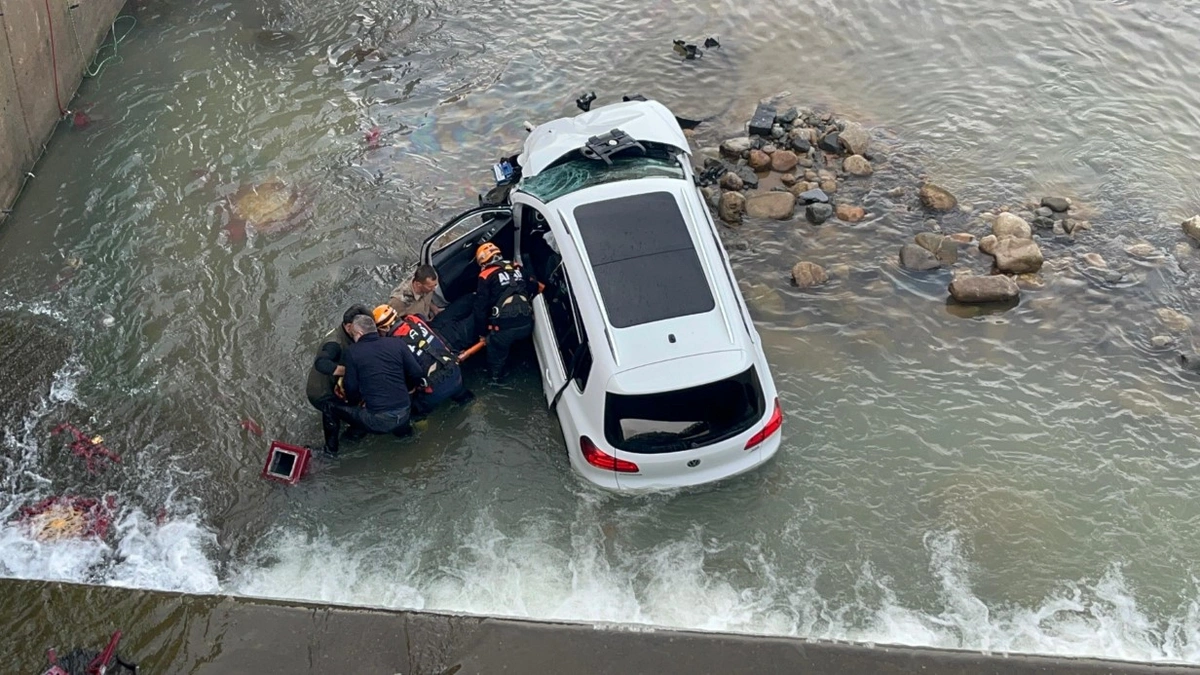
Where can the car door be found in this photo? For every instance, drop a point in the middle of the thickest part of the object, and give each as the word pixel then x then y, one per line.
pixel 451 248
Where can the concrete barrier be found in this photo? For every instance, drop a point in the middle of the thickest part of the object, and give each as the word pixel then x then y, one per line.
pixel 44 47
pixel 210 635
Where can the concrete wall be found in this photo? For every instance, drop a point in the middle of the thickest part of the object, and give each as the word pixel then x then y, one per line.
pixel 28 108
pixel 216 635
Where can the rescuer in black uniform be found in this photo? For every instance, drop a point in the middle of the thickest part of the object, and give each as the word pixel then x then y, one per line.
pixel 439 362
pixel 503 313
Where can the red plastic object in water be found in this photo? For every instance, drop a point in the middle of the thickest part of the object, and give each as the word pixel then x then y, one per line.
pixel 286 463
pixel 91 449
pixel 99 665
pixel 253 427
pixel 372 137
pixel 80 120
pixel 64 517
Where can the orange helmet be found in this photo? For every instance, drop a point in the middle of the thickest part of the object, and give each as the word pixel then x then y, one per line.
pixel 385 316
pixel 486 253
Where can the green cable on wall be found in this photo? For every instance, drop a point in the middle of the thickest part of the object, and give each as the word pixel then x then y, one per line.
pixel 93 69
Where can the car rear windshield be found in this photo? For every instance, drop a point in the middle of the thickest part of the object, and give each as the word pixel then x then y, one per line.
pixel 645 263
pixel 577 173
pixel 684 419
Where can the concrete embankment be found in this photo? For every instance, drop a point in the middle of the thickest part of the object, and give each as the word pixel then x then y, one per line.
pixel 45 45
pixel 172 633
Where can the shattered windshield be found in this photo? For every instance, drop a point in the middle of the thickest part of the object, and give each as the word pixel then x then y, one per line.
pixel 580 173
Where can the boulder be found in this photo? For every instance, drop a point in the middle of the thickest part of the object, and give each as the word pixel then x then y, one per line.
pixel 1010 225
pixel 732 207
pixel 798 141
pixel 850 213
pixel 915 258
pixel 857 165
pixel 1056 204
pixel 1161 341
pixel 783 161
pixel 734 148
pixel 854 138
pixel 937 198
pixel 1191 227
pixel 1095 260
pixel 1142 250
pixel 787 116
pixel 943 248
pixel 1174 320
pixel 830 142
pixel 759 160
pixel 829 185
pixel 973 289
pixel 818 212
pixel 930 241
pixel 988 244
pixel 731 181
pixel 773 205
pixel 749 178
pixel 1017 256
pixel 813 197
pixel 807 275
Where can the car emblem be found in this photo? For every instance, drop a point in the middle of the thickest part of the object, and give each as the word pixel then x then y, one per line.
pixel 694 463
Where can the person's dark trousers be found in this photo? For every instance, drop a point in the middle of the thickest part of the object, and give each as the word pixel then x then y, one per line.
pixel 451 387
pixel 387 422
pixel 456 322
pixel 500 342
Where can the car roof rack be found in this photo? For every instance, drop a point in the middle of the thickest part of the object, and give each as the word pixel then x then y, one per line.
pixel 606 146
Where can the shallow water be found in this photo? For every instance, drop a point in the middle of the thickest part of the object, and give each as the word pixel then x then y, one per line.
pixel 1010 482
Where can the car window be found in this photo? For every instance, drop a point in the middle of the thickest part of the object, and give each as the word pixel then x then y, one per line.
pixel 569 333
pixel 577 174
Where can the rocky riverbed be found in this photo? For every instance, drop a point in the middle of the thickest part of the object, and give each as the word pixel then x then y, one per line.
pixel 832 181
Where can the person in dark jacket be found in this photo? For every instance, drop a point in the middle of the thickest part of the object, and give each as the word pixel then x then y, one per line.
pixel 379 373
pixel 327 367
pixel 438 360
pixel 503 313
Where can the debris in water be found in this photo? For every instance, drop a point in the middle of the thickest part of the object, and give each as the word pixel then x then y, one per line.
pixel 373 136
pixel 253 427
pixel 711 42
pixel 65 517
pixel 687 51
pixel 90 448
pixel 108 321
pixel 80 120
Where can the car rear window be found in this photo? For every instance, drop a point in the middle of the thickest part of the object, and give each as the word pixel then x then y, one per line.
pixel 642 255
pixel 686 418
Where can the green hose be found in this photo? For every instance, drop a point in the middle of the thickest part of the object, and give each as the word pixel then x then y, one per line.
pixel 93 69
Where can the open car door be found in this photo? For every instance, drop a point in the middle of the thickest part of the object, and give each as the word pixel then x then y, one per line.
pixel 451 249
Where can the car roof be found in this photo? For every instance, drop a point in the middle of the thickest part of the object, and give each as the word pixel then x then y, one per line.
pixel 660 297
pixel 648 121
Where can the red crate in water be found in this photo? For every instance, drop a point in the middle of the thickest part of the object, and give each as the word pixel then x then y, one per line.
pixel 286 463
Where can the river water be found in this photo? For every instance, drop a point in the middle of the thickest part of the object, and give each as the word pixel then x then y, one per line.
pixel 1018 481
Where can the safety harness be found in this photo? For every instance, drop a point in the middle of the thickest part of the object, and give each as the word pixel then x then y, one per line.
pixel 433 354
pixel 513 302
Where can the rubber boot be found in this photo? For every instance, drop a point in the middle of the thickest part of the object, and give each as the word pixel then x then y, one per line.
pixel 331 427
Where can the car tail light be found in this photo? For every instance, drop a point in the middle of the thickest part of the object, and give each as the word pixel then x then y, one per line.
pixel 769 430
pixel 602 460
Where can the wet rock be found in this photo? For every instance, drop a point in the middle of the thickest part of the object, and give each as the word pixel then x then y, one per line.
pixel 788 179
pixel 1030 280
pixel 799 142
pixel 930 241
pixel 749 178
pixel 1095 260
pixel 773 205
pixel 777 131
pixel 818 212
pixel 783 161
pixel 849 213
pixel 963 238
pixel 857 165
pixel 913 257
pixel 988 244
pixel 732 207
pixel 787 116
pixel 1057 204
pixel 807 275
pixel 735 147
pixel 1189 361
pixel 830 142
pixel 1142 250
pixel 770 149
pixel 813 197
pixel 854 138
pixel 943 248
pixel 829 185
pixel 937 198
pixel 1043 223
pixel 1010 225
pixel 759 160
pixel 1017 256
pixel 1161 341
pixel 811 176
pixel 1044 212
pixel 1191 227
pixel 800 188
pixel 712 195
pixel 731 181
pixel 1174 320
pixel 974 289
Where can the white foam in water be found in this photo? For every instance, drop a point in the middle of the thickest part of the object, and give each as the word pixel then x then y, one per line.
pixel 524 576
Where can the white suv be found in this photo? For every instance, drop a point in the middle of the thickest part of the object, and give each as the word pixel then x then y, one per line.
pixel 648 354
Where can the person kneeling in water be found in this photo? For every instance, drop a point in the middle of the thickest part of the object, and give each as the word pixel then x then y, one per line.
pixel 439 363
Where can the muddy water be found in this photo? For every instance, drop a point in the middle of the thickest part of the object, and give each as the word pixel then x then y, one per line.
pixel 1013 482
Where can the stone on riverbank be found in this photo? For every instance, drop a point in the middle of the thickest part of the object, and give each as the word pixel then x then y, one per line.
pixel 937 198
pixel 783 161
pixel 849 213
pixel 973 289
pixel 807 275
pixel 857 165
pixel 1017 256
pixel 913 257
pixel 830 142
pixel 818 212
pixel 1057 204
pixel 773 205
pixel 759 160
pixel 1191 227
pixel 855 138
pixel 732 207
pixel 813 196
pixel 731 181
pixel 734 148
pixel 1010 225
pixel 988 244
pixel 942 247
